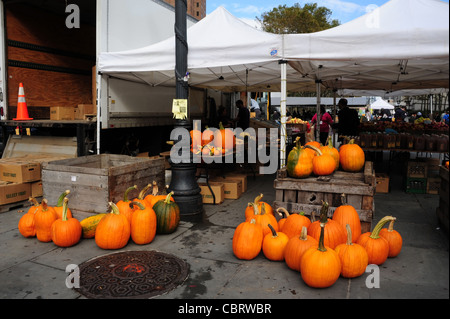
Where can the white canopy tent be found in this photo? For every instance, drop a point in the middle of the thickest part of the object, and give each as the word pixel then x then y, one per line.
pixel 379 104
pixel 402 45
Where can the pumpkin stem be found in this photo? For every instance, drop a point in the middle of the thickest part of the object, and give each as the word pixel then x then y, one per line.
pixel 255 208
pixel 274 232
pixel 258 198
pixel 391 226
pixel 155 188
pixel 138 204
pixel 44 205
pixel 314 149
pixel 304 233
pixel 221 127
pixel 125 195
pixel 330 142
pixel 114 208
pixel 376 231
pixel 33 201
pixel 61 198
pixel 349 234
pixel 143 191
pixel 313 216
pixel 167 200
pixel 343 199
pixel 283 212
pixel 65 208
pixel 324 212
pixel 263 209
pixel 321 238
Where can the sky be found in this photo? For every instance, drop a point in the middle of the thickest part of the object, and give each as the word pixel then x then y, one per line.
pixel 247 10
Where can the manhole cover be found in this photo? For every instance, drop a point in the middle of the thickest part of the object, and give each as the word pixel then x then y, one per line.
pixel 131 274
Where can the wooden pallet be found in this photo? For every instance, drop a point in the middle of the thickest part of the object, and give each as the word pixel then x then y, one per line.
pixel 17 205
pixel 306 195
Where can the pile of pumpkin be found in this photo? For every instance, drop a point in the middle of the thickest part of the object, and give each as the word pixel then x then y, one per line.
pixel 323 160
pixel 139 219
pixel 320 250
pixel 212 142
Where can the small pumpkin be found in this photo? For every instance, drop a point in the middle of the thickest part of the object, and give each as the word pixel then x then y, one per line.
pixel 247 240
pixel 43 220
pixel 294 224
pixel 167 215
pixel 320 267
pixel 59 205
pixel 394 239
pixel 323 164
pixel 347 214
pixel 157 196
pixel 89 225
pixel 249 211
pixel 284 214
pixel 331 150
pixel 263 219
pixel 142 198
pixel 26 224
pixel 351 157
pixel 274 245
pixel 296 247
pixel 143 224
pixel 310 150
pixel 335 233
pixel 299 162
pixel 224 138
pixel 354 258
pixel 124 204
pixel 66 231
pixel 113 230
pixel 377 247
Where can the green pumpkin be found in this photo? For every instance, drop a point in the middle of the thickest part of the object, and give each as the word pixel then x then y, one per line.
pixel 167 215
pixel 299 162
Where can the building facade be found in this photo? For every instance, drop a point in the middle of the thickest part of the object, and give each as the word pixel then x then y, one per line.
pixel 195 8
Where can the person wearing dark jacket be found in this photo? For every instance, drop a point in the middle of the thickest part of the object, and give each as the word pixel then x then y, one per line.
pixel 348 120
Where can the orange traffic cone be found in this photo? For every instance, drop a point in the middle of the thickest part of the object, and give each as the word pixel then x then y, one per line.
pixel 22 111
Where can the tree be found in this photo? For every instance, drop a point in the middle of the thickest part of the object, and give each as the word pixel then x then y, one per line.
pixel 295 19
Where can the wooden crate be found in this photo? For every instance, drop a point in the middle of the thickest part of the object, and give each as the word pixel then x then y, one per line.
pixel 96 180
pixel 307 194
pixel 443 209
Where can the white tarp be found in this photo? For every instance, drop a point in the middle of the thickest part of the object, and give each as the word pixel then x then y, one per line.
pixel 401 45
pixel 379 104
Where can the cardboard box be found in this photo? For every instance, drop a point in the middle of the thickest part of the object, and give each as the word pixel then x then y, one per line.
pixel 58 113
pixel 36 189
pixel 382 183
pixel 241 177
pixel 218 191
pixel 232 188
pixel 14 192
pixel 20 171
pixel 82 109
pixel 232 179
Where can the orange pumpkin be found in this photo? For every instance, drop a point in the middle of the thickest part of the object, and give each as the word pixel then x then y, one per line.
pixel 331 150
pixel 143 224
pixel 323 164
pixel 320 267
pixel 26 224
pixel 247 240
pixel 124 204
pixel 113 230
pixel 284 214
pixel 299 162
pixel 347 214
pixel 296 247
pixel 294 224
pixel 43 220
pixel 274 244
pixel 377 247
pixel 249 211
pixel 335 233
pixel 66 231
pixel 351 157
pixel 59 205
pixel 224 138
pixel 311 151
pixel 263 219
pixel 354 258
pixel 394 239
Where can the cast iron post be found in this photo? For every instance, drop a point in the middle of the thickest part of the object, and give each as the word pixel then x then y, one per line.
pixel 183 183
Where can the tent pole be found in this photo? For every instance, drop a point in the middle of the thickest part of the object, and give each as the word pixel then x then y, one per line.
pixel 283 132
pixel 99 108
pixel 334 114
pixel 319 116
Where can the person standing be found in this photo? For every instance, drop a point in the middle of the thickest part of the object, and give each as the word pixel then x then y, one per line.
pixel 348 120
pixel 255 106
pixel 243 117
pixel 325 122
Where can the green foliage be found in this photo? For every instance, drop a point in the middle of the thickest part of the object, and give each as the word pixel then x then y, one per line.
pixel 295 19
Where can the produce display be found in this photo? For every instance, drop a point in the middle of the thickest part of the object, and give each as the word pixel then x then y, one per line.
pixel 321 250
pixel 139 219
pixel 323 160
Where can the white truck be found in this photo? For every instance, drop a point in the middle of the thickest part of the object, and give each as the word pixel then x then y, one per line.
pixel 52 48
